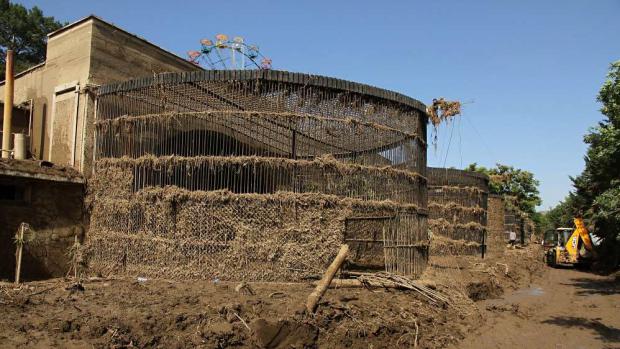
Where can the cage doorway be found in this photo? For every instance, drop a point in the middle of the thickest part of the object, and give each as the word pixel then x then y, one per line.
pixel 388 242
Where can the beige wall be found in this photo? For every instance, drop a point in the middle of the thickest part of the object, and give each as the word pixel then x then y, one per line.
pixel 118 56
pixel 67 63
pixel 91 52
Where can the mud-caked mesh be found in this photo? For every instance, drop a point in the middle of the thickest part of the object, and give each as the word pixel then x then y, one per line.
pixel 171 232
pixel 457 203
pixel 263 175
pixel 268 237
pixel 253 174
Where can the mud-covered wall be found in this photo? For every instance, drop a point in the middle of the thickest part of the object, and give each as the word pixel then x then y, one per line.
pixel 54 212
pixel 496 236
pixel 175 233
pixel 503 217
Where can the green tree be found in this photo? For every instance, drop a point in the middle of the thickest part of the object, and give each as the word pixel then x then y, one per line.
pixel 559 216
pixel 513 182
pixel 25 32
pixel 597 188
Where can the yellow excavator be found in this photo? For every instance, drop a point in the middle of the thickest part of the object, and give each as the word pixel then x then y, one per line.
pixel 568 245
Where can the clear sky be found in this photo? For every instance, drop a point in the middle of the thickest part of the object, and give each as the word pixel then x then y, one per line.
pixel 528 70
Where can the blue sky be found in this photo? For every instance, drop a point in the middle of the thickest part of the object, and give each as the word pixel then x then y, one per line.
pixel 527 70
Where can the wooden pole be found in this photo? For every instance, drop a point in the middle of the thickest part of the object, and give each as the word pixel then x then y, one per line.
pixel 74 258
pixel 8 106
pixel 321 288
pixel 18 253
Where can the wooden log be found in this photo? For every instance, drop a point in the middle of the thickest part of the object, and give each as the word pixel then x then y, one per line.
pixel 321 288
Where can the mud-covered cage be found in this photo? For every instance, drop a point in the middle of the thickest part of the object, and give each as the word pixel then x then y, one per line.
pixel 457 205
pixel 256 175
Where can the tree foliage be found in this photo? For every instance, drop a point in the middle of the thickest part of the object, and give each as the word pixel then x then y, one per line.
pixel 509 181
pixel 597 188
pixel 559 216
pixel 25 32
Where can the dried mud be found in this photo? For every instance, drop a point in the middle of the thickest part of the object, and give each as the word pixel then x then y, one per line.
pixel 127 312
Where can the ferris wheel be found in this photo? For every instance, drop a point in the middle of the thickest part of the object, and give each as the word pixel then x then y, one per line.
pixel 225 53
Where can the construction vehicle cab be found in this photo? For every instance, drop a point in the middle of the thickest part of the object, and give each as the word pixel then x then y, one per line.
pixel 568 245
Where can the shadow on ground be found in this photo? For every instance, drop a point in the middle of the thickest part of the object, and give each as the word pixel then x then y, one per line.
pixel 590 286
pixel 605 333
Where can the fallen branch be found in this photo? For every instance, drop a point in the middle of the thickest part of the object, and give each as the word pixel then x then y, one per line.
pixel 243 322
pixel 277 294
pixel 405 283
pixel 354 283
pixel 43 291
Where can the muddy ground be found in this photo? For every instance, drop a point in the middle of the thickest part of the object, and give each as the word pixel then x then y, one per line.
pixel 121 313
pixel 563 309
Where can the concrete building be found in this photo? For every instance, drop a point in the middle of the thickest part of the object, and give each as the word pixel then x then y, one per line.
pixel 54 105
pixel 55 97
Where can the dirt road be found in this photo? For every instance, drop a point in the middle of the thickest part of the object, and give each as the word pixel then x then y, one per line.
pixel 563 309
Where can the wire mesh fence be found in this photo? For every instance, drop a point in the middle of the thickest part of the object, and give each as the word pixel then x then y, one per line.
pixel 173 233
pixel 457 203
pixel 269 175
pixel 176 153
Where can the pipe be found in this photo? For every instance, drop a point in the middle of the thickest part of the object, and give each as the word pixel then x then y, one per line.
pixel 8 106
pixel 20 146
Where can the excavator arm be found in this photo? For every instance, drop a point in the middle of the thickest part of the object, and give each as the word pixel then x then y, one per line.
pixel 574 249
pixel 578 240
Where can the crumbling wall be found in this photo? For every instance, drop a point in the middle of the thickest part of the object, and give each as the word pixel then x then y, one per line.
pixel 54 211
pixel 457 203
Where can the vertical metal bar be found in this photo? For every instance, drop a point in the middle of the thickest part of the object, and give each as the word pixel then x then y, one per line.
pixel 8 105
pixel 484 245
